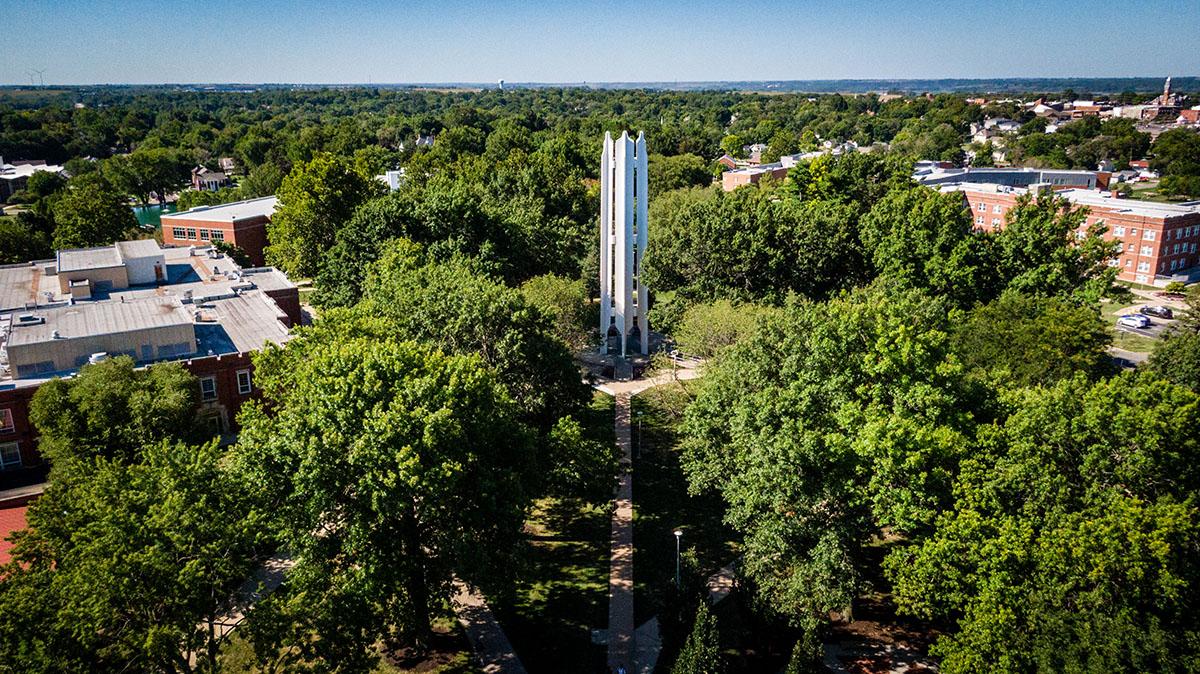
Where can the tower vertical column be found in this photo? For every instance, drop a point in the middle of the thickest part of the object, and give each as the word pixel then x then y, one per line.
pixel 606 240
pixel 642 193
pixel 623 238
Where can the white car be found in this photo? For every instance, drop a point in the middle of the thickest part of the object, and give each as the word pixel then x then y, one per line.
pixel 1133 321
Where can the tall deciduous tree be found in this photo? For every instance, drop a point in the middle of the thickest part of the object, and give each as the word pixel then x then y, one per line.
pixel 923 239
pixel 139 538
pixel 831 421
pixel 1039 253
pixel 1018 340
pixel 91 212
pixel 126 567
pixel 390 467
pixel 1072 542
pixel 459 308
pixel 315 200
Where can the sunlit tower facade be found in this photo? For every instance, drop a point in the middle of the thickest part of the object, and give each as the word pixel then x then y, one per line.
pixel 624 201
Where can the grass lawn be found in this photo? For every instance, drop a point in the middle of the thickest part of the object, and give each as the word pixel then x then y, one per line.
pixel 661 503
pixel 450 653
pixel 563 592
pixel 1148 191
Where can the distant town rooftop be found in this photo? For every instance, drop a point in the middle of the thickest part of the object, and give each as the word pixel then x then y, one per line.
pixel 238 210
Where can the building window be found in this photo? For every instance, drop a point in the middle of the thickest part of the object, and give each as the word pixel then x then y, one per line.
pixel 10 456
pixel 216 235
pixel 178 233
pixel 208 388
pixel 204 235
pixel 6 421
pixel 983 207
pixel 1192 249
pixel 1146 250
pixel 1174 263
pixel 243 377
pixel 1133 231
pixel 1128 262
pixel 1140 278
pixel 996 208
pixel 1148 234
pixel 1175 249
pixel 1143 266
pixel 191 233
pixel 1130 248
pixel 995 222
pixel 215 423
pixel 1118 231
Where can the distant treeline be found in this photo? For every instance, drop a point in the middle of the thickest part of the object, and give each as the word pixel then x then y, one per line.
pixel 1083 86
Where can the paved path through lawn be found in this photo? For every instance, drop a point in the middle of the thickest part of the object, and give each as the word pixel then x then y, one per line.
pixel 622 647
pixel 492 649
pixel 620 579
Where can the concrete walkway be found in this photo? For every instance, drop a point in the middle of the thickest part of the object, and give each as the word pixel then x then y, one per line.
pixel 634 649
pixel 620 578
pixel 493 651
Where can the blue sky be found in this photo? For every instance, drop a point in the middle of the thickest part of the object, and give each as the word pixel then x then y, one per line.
pixel 138 41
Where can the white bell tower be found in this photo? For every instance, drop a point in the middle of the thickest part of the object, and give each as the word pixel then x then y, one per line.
pixel 624 200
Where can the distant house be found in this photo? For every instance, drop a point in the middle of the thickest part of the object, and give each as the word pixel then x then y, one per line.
pixel 14 177
pixel 206 179
pixel 1191 116
pixel 228 165
pixel 728 162
pixel 755 152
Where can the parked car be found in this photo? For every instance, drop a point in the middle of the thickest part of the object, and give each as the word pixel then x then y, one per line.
pixel 1133 321
pixel 1159 311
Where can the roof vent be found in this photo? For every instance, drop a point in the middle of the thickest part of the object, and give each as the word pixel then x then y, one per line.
pixel 30 319
pixel 54 335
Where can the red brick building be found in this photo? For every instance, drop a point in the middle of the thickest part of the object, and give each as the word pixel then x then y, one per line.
pixel 1158 241
pixel 241 223
pixel 207 314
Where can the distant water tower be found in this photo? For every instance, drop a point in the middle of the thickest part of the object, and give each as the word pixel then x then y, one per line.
pixel 501 85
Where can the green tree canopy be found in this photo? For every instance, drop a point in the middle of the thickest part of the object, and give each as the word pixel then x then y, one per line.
pixel 389 467
pixel 112 410
pixel 91 212
pixel 1071 543
pixel 831 421
pixel 1017 340
pixel 128 567
pixel 315 200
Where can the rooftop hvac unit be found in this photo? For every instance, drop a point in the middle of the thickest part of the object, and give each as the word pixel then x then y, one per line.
pixel 30 319
pixel 98 357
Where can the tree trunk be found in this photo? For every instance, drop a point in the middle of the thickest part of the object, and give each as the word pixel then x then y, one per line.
pixel 415 582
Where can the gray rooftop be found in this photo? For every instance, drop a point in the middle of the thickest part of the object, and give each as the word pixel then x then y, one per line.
pixel 18 285
pixel 100 318
pixel 246 322
pixel 78 259
pixel 238 210
pixel 139 248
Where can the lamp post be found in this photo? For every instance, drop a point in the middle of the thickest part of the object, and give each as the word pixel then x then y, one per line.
pixel 639 444
pixel 678 535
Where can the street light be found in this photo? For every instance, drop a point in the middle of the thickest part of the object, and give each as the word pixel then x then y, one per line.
pixel 639 445
pixel 678 535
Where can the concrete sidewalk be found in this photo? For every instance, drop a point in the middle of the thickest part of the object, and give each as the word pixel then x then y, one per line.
pixel 620 581
pixel 493 651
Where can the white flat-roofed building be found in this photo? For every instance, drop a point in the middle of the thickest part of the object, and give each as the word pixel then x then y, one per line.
pixel 62 339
